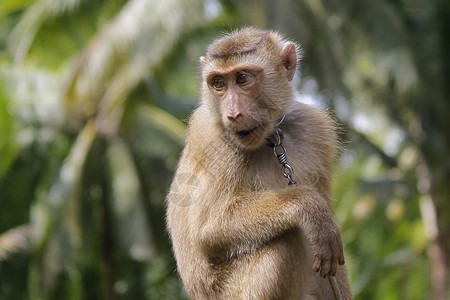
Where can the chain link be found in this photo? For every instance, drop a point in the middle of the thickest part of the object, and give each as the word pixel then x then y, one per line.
pixel 280 152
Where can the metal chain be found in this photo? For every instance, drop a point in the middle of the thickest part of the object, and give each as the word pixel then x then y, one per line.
pixel 280 152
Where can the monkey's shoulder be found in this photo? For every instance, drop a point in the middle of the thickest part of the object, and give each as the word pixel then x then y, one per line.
pixel 312 133
pixel 310 123
pixel 306 114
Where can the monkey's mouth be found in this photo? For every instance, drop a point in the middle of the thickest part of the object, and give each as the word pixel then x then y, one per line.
pixel 245 133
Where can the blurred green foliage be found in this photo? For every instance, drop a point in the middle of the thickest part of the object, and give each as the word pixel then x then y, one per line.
pixel 94 98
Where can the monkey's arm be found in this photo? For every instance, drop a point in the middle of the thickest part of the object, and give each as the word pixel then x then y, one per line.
pixel 313 165
pixel 251 220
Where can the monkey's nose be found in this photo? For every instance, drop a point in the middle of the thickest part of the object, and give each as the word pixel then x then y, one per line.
pixel 234 116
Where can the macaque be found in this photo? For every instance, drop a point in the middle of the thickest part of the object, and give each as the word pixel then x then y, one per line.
pixel 238 229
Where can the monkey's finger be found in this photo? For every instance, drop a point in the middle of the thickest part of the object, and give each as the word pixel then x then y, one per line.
pixel 333 266
pixel 341 259
pixel 327 256
pixel 317 263
pixel 341 253
pixel 334 260
pixel 326 265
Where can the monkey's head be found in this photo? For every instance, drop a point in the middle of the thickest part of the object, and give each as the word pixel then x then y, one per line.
pixel 245 83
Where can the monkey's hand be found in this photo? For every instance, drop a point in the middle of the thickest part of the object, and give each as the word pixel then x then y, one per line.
pixel 325 239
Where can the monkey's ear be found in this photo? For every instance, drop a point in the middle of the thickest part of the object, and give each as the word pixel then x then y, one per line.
pixel 289 59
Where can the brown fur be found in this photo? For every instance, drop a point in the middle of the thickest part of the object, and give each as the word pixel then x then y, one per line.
pixel 238 43
pixel 238 231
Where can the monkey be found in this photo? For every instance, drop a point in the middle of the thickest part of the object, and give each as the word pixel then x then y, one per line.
pixel 238 229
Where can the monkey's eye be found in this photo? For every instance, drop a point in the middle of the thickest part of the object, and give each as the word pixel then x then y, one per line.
pixel 218 82
pixel 243 77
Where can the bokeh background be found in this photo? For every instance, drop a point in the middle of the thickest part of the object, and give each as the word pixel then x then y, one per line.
pixel 94 99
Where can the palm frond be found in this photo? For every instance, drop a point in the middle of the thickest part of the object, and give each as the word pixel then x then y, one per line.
pixel 25 31
pixel 63 195
pixel 166 122
pixel 133 227
pixel 125 43
pixel 10 6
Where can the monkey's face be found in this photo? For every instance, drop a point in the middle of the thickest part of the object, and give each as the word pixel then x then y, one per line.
pixel 246 112
pixel 246 83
